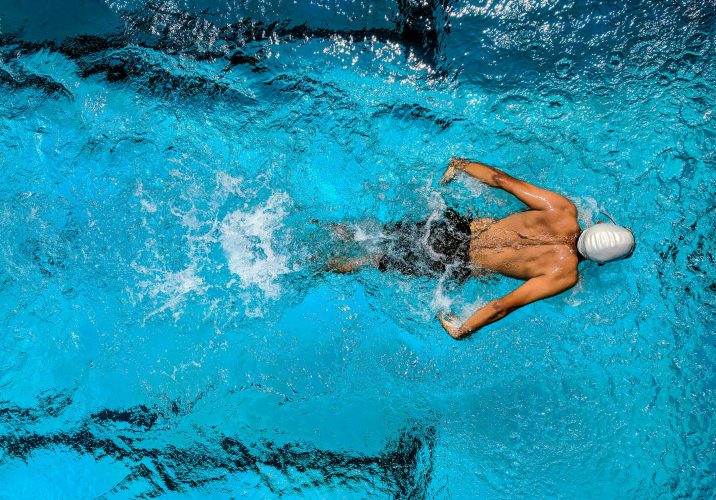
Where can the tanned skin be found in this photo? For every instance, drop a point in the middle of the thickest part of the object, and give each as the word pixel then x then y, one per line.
pixel 538 246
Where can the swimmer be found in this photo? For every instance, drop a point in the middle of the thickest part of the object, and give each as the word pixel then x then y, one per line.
pixel 542 246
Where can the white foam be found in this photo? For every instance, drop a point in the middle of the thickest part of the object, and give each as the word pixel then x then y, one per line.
pixel 440 302
pixel 249 238
pixel 586 209
pixel 147 203
pixel 368 231
pixel 175 286
pixel 574 298
pixel 148 206
pixel 436 202
pixel 227 185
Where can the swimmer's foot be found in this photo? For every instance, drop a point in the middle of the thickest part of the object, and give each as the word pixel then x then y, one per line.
pixel 341 232
pixel 346 265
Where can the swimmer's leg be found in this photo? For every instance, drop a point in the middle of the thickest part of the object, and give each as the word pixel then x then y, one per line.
pixel 353 254
pixel 338 231
pixel 341 232
pixel 347 265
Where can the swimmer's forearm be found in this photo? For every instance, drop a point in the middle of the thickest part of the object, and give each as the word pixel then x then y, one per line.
pixel 533 196
pixel 491 312
pixel 483 173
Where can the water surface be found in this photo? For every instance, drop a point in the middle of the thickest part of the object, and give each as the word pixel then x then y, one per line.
pixel 168 168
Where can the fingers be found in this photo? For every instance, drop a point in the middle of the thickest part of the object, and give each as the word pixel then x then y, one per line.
pixel 451 324
pixel 457 162
pixel 447 176
pixel 454 165
pixel 449 321
pixel 446 325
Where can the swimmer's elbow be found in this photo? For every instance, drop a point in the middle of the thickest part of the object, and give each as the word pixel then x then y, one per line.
pixel 499 179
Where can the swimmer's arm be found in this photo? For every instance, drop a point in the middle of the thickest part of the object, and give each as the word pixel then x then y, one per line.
pixel 533 196
pixel 532 290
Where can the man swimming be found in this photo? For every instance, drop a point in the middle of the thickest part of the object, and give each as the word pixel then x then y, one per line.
pixel 542 246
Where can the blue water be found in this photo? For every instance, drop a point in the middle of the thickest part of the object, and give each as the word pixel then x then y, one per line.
pixel 168 170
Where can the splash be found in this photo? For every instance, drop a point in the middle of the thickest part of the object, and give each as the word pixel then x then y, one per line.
pixel 176 287
pixel 587 209
pixel 249 240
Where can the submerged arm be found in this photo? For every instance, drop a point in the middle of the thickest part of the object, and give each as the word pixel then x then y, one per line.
pixel 532 290
pixel 533 196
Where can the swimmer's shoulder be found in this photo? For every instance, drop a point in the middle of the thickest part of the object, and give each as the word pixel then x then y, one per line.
pixel 567 268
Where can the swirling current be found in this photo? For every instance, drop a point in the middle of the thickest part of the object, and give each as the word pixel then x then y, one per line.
pixel 170 172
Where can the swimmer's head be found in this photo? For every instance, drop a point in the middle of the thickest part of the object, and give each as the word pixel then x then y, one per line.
pixel 606 242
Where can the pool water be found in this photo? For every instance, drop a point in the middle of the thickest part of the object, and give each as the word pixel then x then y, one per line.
pixel 170 172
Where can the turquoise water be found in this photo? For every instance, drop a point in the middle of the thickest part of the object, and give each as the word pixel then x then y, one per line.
pixel 168 170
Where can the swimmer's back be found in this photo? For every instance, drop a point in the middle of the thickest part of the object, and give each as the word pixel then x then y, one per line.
pixel 527 244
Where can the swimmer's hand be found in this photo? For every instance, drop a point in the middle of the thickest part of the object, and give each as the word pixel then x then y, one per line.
pixel 486 174
pixel 454 165
pixel 451 324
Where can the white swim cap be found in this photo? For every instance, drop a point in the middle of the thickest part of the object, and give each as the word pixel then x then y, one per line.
pixel 605 242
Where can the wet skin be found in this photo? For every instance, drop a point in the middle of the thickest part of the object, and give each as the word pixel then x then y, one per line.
pixel 538 246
